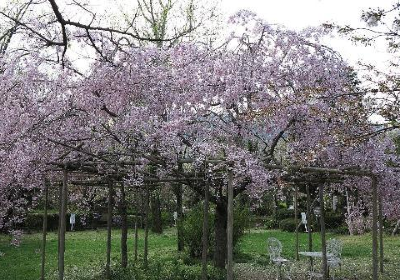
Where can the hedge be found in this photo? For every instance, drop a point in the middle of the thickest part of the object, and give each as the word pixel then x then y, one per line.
pixel 288 225
pixel 34 221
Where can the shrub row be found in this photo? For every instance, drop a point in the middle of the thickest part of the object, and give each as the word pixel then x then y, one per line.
pixel 34 221
pixel 333 221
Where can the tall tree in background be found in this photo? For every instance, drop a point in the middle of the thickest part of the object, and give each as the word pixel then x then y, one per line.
pixel 48 29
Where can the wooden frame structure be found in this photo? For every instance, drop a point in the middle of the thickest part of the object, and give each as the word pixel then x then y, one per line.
pixel 375 201
pixel 376 216
pixel 376 212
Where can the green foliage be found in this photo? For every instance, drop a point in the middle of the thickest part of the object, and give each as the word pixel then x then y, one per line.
pixel 34 222
pixel 266 222
pixel 270 223
pixel 241 222
pixel 171 270
pixel 288 225
pixel 266 205
pixel 167 218
pixel 131 221
pixel 156 270
pixel 284 213
pixel 334 220
pixel 193 228
pixel 344 230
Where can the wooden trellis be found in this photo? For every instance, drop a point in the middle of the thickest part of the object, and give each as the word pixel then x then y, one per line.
pixel 111 178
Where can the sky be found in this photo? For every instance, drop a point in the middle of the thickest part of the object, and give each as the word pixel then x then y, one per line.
pixel 299 14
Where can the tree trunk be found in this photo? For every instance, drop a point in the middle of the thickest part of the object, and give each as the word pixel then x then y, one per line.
pixel 220 234
pixel 156 225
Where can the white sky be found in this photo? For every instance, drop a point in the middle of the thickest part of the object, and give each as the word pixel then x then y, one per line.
pixel 299 14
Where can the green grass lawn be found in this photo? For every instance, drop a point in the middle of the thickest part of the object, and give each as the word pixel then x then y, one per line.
pixel 83 249
pixel 86 250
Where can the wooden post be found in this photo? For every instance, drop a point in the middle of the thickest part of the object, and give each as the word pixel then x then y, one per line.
pixel 205 230
pixel 275 206
pixel 146 228
pixel 381 257
pixel 136 226
pixel 109 226
pixel 124 229
pixel 179 211
pixel 375 259
pixel 396 228
pixel 229 269
pixel 46 198
pixel 296 218
pixel 62 217
pixel 60 195
pixel 310 241
pixel 323 233
pixel 142 198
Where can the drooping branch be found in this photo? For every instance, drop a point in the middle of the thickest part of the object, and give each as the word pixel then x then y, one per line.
pixel 278 137
pixel 47 41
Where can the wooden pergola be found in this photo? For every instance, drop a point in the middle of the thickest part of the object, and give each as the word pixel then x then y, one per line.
pixel 307 182
pixel 109 180
pixel 112 181
pixel 331 175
